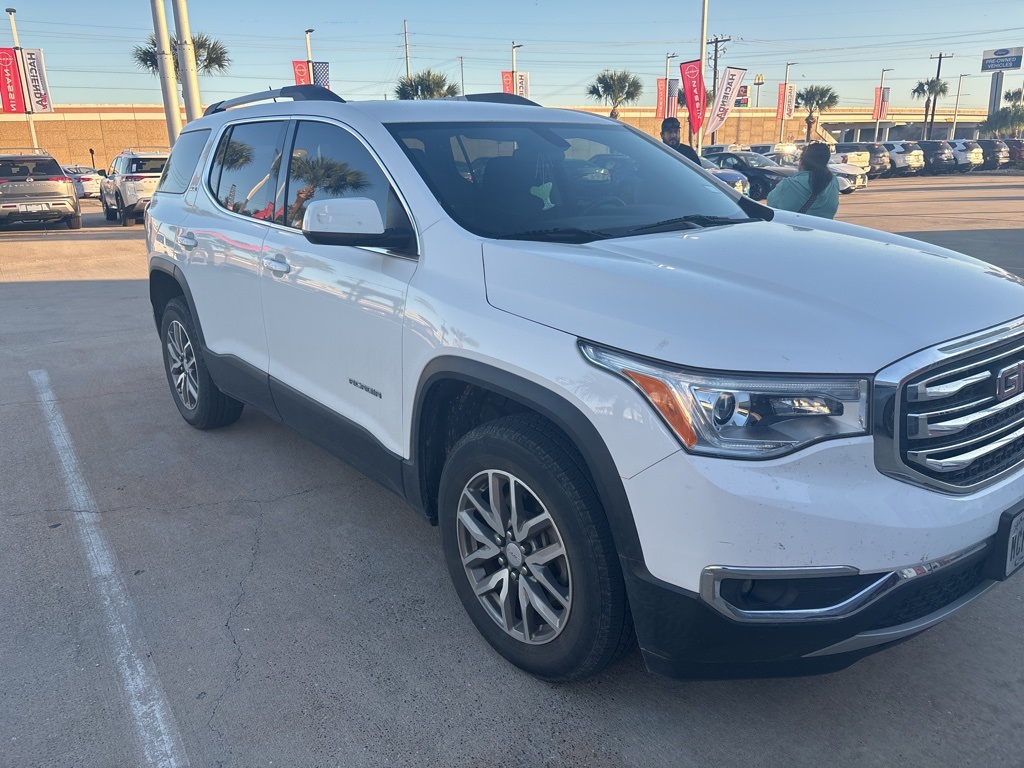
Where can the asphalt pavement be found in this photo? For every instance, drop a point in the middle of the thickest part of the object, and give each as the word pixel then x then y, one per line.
pixel 241 598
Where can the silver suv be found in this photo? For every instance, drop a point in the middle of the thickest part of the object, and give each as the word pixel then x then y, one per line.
pixel 33 188
pixel 128 186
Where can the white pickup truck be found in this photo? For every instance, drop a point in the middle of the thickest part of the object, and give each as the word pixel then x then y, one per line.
pixel 640 405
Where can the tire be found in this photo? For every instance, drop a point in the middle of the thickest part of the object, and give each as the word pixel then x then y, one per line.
pixel 126 220
pixel 74 222
pixel 583 623
pixel 110 214
pixel 847 191
pixel 199 401
pixel 757 191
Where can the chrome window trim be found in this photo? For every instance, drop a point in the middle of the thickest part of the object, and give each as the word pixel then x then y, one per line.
pixel 889 382
pixel 711 586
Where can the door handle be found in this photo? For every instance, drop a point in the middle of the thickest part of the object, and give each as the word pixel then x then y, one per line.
pixel 277 264
pixel 187 241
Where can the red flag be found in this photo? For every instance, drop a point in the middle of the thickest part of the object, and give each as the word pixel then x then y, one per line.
pixel 301 69
pixel 11 95
pixel 660 112
pixel 507 82
pixel 692 73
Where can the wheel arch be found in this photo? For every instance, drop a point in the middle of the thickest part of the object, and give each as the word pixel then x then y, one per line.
pixel 167 282
pixel 456 394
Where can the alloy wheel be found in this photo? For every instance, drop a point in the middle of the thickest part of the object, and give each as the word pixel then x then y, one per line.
pixel 182 362
pixel 514 557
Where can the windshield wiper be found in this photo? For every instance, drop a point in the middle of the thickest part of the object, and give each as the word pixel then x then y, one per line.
pixel 693 221
pixel 557 233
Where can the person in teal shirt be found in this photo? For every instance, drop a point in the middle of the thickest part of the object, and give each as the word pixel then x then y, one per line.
pixel 814 190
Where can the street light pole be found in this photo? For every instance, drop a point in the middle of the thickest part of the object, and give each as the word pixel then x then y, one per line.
pixel 24 85
pixel 881 90
pixel 515 83
pixel 309 56
pixel 462 72
pixel 668 58
pixel 187 61
pixel 956 106
pixel 703 55
pixel 785 95
pixel 165 66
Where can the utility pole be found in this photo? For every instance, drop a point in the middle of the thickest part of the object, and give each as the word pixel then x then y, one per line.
pixel 165 65
pixel 714 79
pixel 408 70
pixel 187 61
pixel 935 99
pixel 702 58
pixel 956 106
pixel 881 86
pixel 24 85
pixel 462 72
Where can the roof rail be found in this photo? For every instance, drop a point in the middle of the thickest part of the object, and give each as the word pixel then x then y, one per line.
pixel 155 148
pixel 496 98
pixel 293 92
pixel 23 151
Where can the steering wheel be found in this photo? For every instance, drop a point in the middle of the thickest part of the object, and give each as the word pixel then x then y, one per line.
pixel 605 201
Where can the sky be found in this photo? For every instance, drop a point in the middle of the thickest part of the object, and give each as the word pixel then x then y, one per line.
pixel 87 45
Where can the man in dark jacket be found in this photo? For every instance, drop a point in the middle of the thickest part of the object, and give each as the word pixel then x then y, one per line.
pixel 670 136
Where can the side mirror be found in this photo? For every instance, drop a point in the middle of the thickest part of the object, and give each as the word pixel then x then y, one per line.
pixel 352 221
pixel 102 173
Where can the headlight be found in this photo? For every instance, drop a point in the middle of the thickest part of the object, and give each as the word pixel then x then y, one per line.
pixel 740 416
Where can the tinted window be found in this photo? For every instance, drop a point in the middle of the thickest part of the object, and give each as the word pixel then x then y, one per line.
pixel 328 162
pixel 574 182
pixel 243 176
pixel 29 167
pixel 182 164
pixel 146 164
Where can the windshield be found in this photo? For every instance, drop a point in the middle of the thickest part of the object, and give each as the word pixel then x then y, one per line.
pixel 559 181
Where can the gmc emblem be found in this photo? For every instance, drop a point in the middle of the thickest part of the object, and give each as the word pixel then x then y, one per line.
pixel 1010 381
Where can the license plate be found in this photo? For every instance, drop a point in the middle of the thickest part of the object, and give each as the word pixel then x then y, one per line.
pixel 1015 545
pixel 30 207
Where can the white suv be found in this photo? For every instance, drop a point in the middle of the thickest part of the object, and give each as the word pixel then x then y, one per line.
pixel 904 157
pixel 128 186
pixel 638 405
pixel 968 154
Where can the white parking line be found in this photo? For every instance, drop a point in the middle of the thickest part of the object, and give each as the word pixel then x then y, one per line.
pixel 154 724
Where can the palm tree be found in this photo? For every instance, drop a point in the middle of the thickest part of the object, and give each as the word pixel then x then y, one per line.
pixel 1014 96
pixel 930 90
pixel 616 88
pixel 816 99
pixel 322 173
pixel 1004 122
pixel 427 84
pixel 212 57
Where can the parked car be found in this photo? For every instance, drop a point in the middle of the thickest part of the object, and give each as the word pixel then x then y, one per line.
pixel 128 186
pixel 997 154
pixel 758 442
pixel 1016 147
pixel 734 179
pixel 854 153
pixel 763 173
pixel 904 157
pixel 785 148
pixel 33 188
pixel 967 153
pixel 85 179
pixel 879 159
pixel 938 156
pixel 850 177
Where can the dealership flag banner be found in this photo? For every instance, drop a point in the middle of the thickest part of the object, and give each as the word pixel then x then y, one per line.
pixel 787 102
pixel 35 80
pixel 519 85
pixel 725 98
pixel 322 74
pixel 668 98
pixel 881 110
pixel 10 83
pixel 692 74
pixel 301 69
pixel 659 111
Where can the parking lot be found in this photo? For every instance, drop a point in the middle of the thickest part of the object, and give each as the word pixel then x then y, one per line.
pixel 272 607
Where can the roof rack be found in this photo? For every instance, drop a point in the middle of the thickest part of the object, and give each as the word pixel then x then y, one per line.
pixel 293 92
pixel 135 150
pixel 23 151
pixel 495 98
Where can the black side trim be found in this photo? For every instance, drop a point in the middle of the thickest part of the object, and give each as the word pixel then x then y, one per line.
pixel 552 406
pixel 345 439
pixel 233 376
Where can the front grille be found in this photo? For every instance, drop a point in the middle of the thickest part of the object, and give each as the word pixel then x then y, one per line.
pixel 961 424
pixel 919 601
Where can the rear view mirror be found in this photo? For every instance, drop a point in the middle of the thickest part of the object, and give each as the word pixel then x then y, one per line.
pixel 350 221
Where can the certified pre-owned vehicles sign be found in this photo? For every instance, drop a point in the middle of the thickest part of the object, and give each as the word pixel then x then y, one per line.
pixel 1001 58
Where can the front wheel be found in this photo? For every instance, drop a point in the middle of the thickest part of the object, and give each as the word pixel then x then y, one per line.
pixel 757 191
pixel 529 550
pixel 199 401
pixel 110 214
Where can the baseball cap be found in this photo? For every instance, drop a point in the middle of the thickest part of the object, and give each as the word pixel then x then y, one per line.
pixel 669 122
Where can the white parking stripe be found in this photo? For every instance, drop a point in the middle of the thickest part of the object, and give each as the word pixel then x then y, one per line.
pixel 154 723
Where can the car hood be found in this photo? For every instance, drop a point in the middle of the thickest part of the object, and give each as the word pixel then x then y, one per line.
pixel 761 296
pixel 849 168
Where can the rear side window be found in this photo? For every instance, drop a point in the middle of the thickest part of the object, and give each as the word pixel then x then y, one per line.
pixel 146 164
pixel 181 166
pixel 243 177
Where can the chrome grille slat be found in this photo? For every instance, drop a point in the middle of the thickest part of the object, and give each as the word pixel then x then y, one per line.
pixel 922 392
pixel 963 460
pixel 920 425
